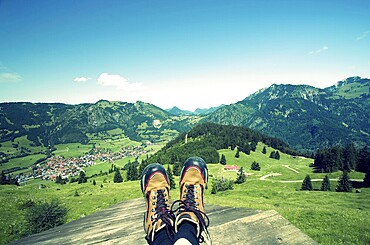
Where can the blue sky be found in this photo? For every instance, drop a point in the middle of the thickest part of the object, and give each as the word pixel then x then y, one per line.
pixel 190 54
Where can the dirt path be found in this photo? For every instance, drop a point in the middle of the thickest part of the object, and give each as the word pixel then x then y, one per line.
pixel 269 175
pixel 315 180
pixel 294 170
pixel 299 181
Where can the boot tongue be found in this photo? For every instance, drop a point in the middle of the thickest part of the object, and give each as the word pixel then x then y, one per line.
pixel 191 176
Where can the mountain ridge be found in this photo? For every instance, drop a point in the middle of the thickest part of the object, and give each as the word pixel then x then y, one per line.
pixel 197 112
pixel 306 117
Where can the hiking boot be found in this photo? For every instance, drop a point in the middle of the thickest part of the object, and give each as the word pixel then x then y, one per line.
pixel 155 187
pixel 193 179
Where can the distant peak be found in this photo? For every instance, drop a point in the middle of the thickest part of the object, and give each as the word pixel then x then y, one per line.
pixel 350 80
pixel 102 102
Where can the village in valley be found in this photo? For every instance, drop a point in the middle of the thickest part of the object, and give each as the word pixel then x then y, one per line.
pixel 69 167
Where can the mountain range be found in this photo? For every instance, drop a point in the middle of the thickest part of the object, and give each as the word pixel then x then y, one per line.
pixel 50 123
pixel 307 118
pixel 175 111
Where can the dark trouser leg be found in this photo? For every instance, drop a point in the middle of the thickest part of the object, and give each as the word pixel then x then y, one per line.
pixel 161 238
pixel 188 231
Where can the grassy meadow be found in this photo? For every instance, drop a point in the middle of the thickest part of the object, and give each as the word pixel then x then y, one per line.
pixel 327 217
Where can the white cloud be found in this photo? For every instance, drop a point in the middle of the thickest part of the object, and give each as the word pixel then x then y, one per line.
pixel 324 48
pixel 119 82
pixel 81 79
pixel 363 36
pixel 10 77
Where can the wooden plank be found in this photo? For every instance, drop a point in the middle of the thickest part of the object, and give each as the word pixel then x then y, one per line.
pixel 123 224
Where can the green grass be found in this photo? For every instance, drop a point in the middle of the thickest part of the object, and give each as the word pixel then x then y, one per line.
pixel 72 149
pixel 116 144
pixel 91 199
pixel 327 217
pixel 21 161
pixel 7 146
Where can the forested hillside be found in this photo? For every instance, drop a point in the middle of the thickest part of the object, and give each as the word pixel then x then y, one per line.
pixel 48 124
pixel 205 139
pixel 307 118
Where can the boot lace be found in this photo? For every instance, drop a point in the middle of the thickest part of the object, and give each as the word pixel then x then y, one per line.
pixel 162 212
pixel 190 204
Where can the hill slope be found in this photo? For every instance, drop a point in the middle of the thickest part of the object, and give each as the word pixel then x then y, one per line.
pixel 49 124
pixel 307 118
pixel 205 139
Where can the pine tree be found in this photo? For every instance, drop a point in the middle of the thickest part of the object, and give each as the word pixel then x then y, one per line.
pixel 350 156
pixel 344 184
pixel 277 155
pixel 253 146
pixel 306 184
pixel 367 180
pixel 171 178
pixel 264 151
pixel 177 168
pixel 58 179
pixel 241 176
pixel 247 149
pixel 255 166
pixel 363 160
pixel 117 177
pixel 223 159
pixel 142 166
pixel 237 153
pixel 94 182
pixel 82 178
pixel 325 186
pixel 272 154
pixel 2 178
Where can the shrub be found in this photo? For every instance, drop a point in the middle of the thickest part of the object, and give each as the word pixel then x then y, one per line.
pixel 82 177
pixel 221 185
pixel 43 216
pixel 255 166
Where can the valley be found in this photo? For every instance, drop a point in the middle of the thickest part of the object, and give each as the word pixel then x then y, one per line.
pixel 41 144
pixel 328 217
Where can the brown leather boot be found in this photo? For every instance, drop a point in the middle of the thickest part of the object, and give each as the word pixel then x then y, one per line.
pixel 193 179
pixel 155 187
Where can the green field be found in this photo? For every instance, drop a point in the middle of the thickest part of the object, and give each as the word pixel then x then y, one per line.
pixel 327 217
pixel 8 147
pixel 22 162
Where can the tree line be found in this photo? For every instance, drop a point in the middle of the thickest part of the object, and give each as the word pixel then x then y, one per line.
pixel 345 159
pixel 205 139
